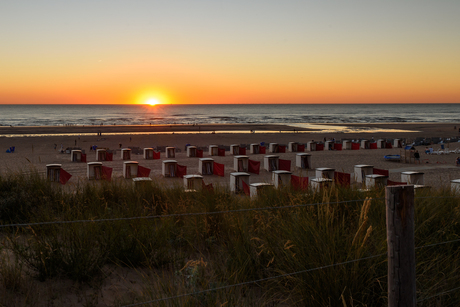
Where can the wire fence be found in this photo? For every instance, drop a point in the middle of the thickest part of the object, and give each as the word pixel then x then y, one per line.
pixel 243 210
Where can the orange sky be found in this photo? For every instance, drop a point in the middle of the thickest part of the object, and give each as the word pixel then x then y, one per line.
pixel 221 53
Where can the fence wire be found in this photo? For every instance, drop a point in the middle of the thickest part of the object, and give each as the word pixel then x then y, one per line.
pixel 182 214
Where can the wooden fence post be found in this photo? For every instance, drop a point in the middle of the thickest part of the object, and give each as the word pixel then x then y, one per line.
pixel 401 246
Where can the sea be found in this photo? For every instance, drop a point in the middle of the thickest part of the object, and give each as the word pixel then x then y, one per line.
pixel 291 114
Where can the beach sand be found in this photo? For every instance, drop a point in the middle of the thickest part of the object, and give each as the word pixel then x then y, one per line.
pixel 37 148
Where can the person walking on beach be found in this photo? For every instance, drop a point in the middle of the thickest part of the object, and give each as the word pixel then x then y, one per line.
pixel 417 157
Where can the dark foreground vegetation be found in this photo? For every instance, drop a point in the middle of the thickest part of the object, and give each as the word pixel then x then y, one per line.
pixel 190 253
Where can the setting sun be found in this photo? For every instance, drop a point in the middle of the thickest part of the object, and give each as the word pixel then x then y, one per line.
pixel 152 101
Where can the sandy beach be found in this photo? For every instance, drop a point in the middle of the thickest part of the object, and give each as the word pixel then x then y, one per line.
pixel 35 148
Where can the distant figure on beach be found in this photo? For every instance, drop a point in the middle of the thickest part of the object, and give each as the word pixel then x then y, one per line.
pixel 119 145
pixel 130 139
pixel 75 142
pixel 55 146
pixel 417 157
pixel 457 162
pixel 62 148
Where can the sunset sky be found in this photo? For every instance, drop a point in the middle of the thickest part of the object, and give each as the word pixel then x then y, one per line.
pixel 208 51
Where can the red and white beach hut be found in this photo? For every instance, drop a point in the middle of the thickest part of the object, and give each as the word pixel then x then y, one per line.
pixel 130 169
pixel 206 166
pixel 213 150
pixel 397 143
pixel 361 171
pixel 415 178
pixel 381 143
pixel 376 180
pixel 254 148
pixel 235 149
pixel 273 148
pixel 365 144
pixel 346 145
pixel 170 152
pixel 53 172
pixel 329 145
pixel 101 154
pixel 193 182
pixel 75 155
pixel 94 170
pixel 191 151
pixel 241 163
pixel 281 178
pixel 320 183
pixel 311 146
pixel 169 168
pixel 126 154
pixel 325 172
pixel 271 163
pixel 303 160
pixel 148 153
pixel 293 146
pixel 236 181
pixel 256 189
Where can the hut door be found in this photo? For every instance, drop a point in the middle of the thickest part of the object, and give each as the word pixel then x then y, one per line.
pixel 128 171
pixel 101 156
pixel 171 152
pixel 236 151
pixel 256 149
pixel 192 152
pixel 126 155
pixel 272 165
pixel 237 184
pixel 172 170
pixel 240 166
pixel 207 168
pixel 97 172
pixel 190 184
pixel 304 163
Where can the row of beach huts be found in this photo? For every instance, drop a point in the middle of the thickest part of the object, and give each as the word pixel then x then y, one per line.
pixel 243 166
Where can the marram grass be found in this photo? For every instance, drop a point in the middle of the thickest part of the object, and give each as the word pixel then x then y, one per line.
pixel 191 253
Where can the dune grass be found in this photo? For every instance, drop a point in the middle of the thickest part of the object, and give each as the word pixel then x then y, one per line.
pixel 191 253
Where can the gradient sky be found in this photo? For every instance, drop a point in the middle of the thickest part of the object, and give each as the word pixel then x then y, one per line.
pixel 208 51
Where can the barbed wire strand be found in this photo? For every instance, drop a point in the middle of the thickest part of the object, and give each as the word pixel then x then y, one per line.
pixel 435 244
pixel 438 294
pixel 182 214
pixel 254 281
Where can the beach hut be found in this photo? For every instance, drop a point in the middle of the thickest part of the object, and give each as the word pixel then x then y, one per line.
pixel 381 143
pixel 311 146
pixel 236 181
pixel 235 149
pixel 101 154
pixel 139 182
pixel 361 171
pixel 75 155
pixel 271 163
pixel 376 180
pixel 293 147
pixel 273 148
pixel 193 182
pixel 170 152
pixel 213 150
pixel 455 185
pixel 303 160
pixel 206 166
pixel 191 151
pixel 346 145
pixel 148 153
pixel 130 169
pixel 365 144
pixel 256 189
pixel 328 145
pixel 325 172
pixel 53 172
pixel 169 168
pixel 319 183
pixel 281 178
pixel 94 170
pixel 397 143
pixel 240 163
pixel 126 154
pixel 254 148
pixel 415 178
